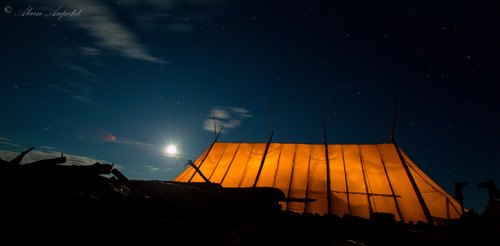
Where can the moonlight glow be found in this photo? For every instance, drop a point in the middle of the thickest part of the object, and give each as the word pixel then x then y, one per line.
pixel 171 150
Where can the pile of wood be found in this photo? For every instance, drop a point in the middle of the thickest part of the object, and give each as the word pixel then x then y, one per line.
pixel 50 202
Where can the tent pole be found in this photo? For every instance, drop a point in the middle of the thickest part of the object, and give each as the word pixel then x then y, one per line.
pixel 291 178
pixel 395 110
pixel 198 171
pixel 364 178
pixel 230 164
pixel 448 208
pixel 270 107
pixel 392 190
pixel 215 125
pixel 346 185
pixel 208 152
pixel 405 166
pixel 328 186
pixel 263 159
pixel 415 187
pixel 307 184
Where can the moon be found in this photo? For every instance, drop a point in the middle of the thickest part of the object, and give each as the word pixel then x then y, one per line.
pixel 171 150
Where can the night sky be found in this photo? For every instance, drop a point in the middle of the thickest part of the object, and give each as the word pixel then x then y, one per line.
pixel 118 81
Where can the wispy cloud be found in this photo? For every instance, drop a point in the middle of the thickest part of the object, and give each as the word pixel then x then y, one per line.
pixel 103 24
pixel 153 169
pixel 154 148
pixel 229 117
pixel 36 155
pixel 140 145
pixel 8 141
pixel 76 90
pixel 80 70
pixel 89 51
pixel 118 25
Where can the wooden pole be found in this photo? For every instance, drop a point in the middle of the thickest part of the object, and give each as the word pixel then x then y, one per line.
pixel 270 107
pixel 415 187
pixel 363 170
pixel 263 159
pixel 405 166
pixel 328 187
pixel 392 190
pixel 215 124
pixel 19 158
pixel 208 152
pixel 346 182
pixel 394 116
pixel 198 171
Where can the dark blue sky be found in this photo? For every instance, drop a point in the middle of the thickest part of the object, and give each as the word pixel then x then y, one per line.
pixel 117 81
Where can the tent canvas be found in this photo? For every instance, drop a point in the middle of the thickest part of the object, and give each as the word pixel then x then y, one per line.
pixel 363 178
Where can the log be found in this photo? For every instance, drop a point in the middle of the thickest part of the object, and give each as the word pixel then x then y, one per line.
pixel 46 163
pixel 19 158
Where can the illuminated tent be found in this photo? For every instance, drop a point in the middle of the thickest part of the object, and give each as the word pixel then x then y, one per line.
pixel 356 179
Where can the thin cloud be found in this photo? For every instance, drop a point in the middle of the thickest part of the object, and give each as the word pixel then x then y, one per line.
pixel 140 145
pixel 76 90
pixel 155 148
pixel 101 22
pixel 221 114
pixel 36 155
pixel 7 141
pixel 229 117
pixel 90 51
pixel 242 112
pixel 79 69
pixel 152 169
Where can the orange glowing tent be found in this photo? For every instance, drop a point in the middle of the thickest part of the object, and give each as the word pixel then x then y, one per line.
pixel 354 179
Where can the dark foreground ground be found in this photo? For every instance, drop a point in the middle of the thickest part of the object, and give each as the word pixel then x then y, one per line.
pixel 90 227
pixel 55 205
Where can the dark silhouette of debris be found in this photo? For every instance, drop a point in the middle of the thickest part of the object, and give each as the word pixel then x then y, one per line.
pixel 493 191
pixel 47 203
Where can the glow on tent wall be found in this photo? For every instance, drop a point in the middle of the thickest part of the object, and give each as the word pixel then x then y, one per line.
pixel 364 178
